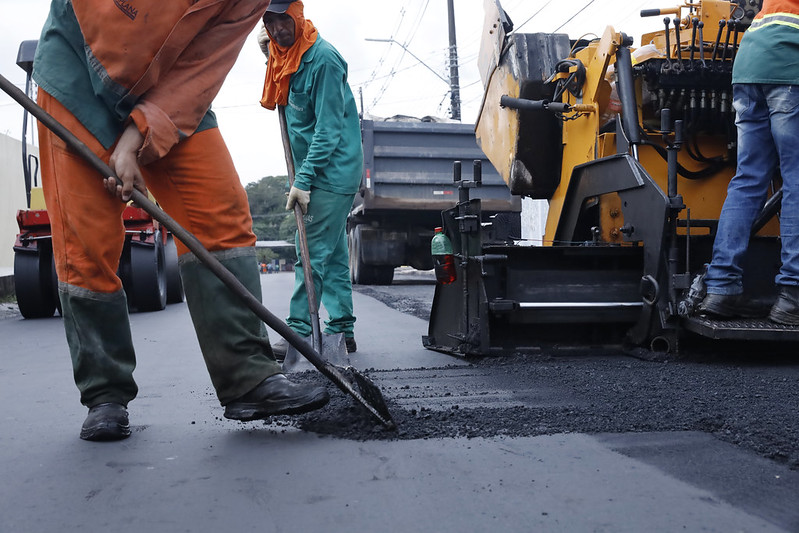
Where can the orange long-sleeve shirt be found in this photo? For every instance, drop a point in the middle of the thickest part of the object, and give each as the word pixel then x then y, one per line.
pixel 158 63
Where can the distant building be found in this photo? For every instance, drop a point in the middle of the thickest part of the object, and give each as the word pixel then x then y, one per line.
pixel 12 200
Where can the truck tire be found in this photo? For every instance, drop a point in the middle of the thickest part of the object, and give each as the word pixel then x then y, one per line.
pixel 360 272
pixel 33 282
pixel 174 284
pixel 148 275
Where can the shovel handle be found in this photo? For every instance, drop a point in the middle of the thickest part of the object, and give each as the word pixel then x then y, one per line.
pixel 191 242
pixel 310 289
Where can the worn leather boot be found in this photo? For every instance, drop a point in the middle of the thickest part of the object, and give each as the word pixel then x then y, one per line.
pixel 786 308
pixel 276 395
pixel 105 422
pixel 729 306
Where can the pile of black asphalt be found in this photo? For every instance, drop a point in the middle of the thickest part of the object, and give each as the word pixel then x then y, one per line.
pixel 751 405
pixel 748 399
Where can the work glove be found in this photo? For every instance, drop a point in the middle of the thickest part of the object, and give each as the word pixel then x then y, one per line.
pixel 300 197
pixel 263 41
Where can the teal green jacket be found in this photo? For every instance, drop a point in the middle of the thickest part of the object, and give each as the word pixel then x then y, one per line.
pixel 323 124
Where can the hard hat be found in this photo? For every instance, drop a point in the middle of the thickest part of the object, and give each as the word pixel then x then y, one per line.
pixel 278 6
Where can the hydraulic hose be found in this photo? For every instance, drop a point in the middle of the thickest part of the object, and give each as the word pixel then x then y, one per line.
pixel 626 89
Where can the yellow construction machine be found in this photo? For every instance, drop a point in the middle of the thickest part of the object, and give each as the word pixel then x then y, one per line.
pixel 632 148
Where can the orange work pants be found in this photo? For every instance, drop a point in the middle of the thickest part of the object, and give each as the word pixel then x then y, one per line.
pixel 196 183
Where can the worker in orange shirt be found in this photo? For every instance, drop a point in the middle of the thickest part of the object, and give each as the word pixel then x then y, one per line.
pixel 135 81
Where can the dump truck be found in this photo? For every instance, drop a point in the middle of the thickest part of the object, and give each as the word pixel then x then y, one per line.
pixel 633 149
pixel 407 181
pixel 148 265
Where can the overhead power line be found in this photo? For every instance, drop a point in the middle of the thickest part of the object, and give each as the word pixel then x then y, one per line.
pixel 404 46
pixel 532 16
pixel 572 17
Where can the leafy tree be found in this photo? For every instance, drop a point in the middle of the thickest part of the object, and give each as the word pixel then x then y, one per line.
pixel 267 199
pixel 271 221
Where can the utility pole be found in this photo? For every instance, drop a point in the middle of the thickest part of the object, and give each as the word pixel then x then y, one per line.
pixel 454 83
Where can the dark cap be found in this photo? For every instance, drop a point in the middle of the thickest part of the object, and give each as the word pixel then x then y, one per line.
pixel 278 6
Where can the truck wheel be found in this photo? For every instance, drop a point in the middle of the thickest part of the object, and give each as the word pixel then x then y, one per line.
pixel 148 274
pixel 360 272
pixel 382 274
pixel 174 285
pixel 33 282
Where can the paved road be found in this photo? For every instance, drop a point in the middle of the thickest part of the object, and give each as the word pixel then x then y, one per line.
pixel 185 468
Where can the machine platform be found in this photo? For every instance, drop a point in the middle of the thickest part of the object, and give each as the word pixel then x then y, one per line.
pixel 750 329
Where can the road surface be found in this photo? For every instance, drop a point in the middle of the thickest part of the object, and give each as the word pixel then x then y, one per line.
pixel 570 442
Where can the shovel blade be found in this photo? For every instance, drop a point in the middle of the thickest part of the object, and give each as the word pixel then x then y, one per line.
pixel 333 350
pixel 372 395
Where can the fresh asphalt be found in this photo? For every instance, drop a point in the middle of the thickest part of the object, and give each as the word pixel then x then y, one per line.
pixel 185 468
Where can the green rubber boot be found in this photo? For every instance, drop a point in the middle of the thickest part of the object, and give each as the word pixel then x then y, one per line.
pixel 232 338
pixel 100 344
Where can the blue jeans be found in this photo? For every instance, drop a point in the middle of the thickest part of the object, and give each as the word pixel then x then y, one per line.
pixel 767 118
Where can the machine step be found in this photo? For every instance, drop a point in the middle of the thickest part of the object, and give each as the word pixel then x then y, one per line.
pixel 757 329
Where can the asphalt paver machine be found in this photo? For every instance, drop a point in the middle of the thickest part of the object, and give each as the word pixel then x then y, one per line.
pixel 632 148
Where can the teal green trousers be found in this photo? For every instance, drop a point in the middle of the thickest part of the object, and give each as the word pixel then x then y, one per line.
pixel 326 229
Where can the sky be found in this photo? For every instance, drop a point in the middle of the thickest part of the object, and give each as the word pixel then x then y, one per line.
pixel 386 77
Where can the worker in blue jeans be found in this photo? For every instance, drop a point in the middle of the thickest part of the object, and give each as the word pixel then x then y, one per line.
pixel 766 102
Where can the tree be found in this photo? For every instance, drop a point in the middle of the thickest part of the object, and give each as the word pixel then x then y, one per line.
pixel 270 220
pixel 267 199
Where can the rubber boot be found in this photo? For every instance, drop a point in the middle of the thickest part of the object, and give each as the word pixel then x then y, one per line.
pixel 100 344
pixel 233 340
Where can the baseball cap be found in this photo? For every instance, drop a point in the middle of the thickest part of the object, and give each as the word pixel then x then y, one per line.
pixel 278 6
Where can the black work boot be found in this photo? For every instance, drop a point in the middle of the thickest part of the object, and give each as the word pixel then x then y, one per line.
pixel 728 306
pixel 276 395
pixel 786 308
pixel 106 421
pixel 351 345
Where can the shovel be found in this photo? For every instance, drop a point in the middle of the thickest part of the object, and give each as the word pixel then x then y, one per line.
pixel 333 347
pixel 349 379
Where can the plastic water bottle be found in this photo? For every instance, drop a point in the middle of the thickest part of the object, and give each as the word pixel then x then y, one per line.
pixel 443 257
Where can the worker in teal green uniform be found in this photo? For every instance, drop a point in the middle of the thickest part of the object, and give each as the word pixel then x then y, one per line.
pixel 309 77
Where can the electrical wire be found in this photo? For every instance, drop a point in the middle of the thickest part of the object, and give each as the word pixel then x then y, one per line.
pixel 573 16
pixel 387 82
pixel 388 49
pixel 517 28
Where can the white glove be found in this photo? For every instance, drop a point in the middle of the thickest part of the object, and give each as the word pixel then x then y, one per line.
pixel 263 41
pixel 299 196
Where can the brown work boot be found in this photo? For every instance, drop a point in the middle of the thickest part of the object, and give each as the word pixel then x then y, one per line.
pixel 786 309
pixel 276 395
